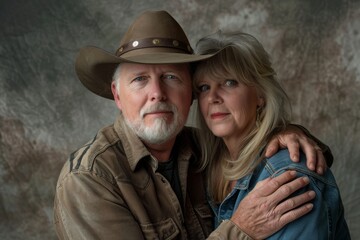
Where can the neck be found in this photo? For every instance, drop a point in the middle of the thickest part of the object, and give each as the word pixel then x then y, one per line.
pixel 234 147
pixel 161 151
pixel 236 141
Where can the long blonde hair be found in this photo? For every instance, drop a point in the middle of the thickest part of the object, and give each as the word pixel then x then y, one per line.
pixel 244 59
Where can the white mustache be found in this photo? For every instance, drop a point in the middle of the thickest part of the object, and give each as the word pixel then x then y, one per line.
pixel 158 107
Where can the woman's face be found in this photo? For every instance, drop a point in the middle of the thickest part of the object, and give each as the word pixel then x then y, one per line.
pixel 228 106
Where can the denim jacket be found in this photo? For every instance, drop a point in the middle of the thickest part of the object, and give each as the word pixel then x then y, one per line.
pixel 325 221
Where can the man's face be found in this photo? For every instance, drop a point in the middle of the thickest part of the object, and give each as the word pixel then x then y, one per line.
pixel 154 99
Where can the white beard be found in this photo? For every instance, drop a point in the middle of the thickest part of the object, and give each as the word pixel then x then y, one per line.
pixel 160 131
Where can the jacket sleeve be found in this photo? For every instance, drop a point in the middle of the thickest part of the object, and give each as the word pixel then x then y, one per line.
pixel 88 207
pixel 320 222
pixel 324 148
pixel 228 230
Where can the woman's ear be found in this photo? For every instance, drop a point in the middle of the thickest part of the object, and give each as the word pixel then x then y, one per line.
pixel 116 95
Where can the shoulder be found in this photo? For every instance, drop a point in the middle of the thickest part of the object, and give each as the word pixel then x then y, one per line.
pixel 97 158
pixel 281 162
pixel 102 146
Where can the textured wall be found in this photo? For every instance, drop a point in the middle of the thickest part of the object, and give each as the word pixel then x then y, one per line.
pixel 45 112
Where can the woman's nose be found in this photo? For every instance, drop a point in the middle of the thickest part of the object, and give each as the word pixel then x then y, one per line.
pixel 214 97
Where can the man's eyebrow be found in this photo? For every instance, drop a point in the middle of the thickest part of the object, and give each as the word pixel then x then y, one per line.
pixel 136 73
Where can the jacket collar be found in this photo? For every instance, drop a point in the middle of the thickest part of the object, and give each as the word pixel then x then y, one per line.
pixel 133 147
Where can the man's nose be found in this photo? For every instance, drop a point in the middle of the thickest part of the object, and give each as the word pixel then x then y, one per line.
pixel 157 91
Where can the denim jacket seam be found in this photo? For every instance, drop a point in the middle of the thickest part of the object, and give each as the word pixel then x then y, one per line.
pixel 305 172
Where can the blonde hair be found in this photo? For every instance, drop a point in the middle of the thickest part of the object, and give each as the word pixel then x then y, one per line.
pixel 244 59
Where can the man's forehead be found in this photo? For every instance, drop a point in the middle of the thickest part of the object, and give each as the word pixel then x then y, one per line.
pixel 179 67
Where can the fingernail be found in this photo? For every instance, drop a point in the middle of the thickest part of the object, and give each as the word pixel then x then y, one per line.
pixel 267 152
pixel 320 170
pixel 309 206
pixel 312 166
pixel 312 194
pixel 306 179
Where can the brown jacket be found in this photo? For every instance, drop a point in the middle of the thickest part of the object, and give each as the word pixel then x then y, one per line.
pixel 109 189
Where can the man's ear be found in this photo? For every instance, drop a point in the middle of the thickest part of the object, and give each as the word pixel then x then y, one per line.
pixel 116 95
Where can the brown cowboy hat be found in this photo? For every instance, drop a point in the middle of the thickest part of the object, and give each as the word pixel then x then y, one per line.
pixel 155 37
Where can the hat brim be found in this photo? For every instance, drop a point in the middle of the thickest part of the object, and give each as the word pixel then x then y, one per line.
pixel 95 67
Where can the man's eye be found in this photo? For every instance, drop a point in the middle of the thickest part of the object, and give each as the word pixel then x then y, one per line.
pixel 230 83
pixel 139 79
pixel 169 77
pixel 203 88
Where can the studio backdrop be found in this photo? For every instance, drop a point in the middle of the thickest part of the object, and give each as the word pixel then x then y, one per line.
pixel 46 113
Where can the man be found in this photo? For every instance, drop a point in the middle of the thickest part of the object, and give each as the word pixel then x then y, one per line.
pixel 137 179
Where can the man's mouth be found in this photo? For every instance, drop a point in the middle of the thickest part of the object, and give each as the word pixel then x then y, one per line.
pixel 158 113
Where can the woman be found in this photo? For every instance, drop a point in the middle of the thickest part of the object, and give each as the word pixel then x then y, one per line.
pixel 242 105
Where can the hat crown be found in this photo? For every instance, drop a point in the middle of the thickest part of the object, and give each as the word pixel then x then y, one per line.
pixel 155 37
pixel 154 29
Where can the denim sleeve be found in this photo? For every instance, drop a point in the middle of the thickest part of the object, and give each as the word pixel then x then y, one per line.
pixel 326 220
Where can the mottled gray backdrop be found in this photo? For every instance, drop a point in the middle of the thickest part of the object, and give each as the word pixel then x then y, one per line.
pixel 45 112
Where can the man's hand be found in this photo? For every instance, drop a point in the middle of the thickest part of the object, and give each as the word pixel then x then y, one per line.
pixel 263 211
pixel 294 138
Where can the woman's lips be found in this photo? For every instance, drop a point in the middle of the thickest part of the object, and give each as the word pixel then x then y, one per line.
pixel 218 115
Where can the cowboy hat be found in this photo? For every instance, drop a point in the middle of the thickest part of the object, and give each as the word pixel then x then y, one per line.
pixel 155 37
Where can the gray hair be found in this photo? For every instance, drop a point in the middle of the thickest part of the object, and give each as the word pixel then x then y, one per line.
pixel 116 77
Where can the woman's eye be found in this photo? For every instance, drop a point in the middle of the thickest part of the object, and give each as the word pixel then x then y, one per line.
pixel 203 88
pixel 230 83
